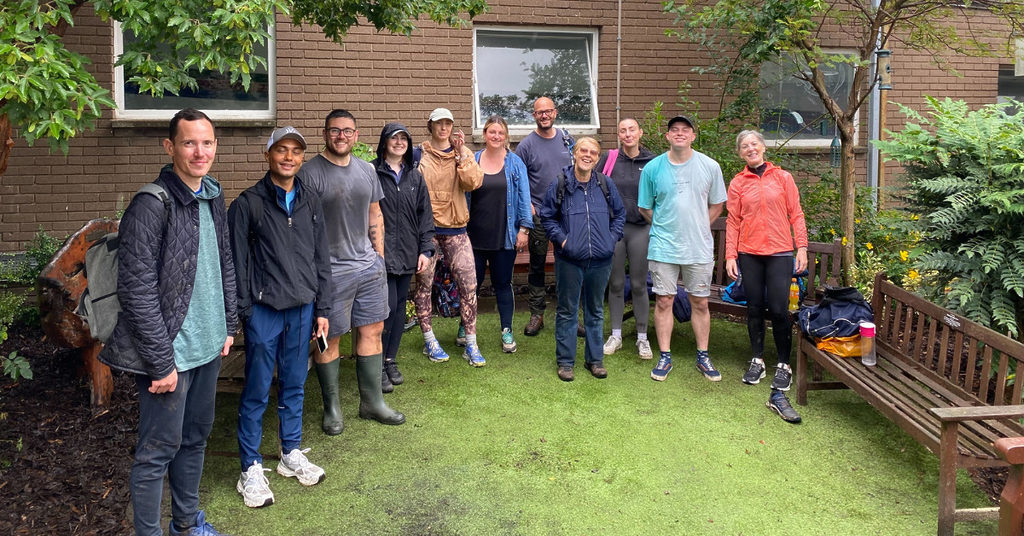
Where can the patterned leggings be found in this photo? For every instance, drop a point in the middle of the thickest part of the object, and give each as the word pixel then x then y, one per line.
pixel 459 253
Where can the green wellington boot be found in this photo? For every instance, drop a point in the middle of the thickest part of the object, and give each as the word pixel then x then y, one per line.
pixel 371 400
pixel 327 373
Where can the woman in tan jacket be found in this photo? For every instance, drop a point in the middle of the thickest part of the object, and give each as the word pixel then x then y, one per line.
pixel 449 171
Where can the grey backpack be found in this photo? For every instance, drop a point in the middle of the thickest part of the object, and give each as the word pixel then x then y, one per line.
pixel 99 305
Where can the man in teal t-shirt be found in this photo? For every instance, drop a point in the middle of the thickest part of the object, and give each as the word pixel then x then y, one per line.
pixel 681 193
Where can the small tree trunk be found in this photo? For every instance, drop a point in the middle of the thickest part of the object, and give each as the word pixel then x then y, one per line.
pixel 6 142
pixel 848 195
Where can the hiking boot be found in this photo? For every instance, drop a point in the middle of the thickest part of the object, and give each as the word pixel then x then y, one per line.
pixel 472 354
pixel 434 352
pixel 706 368
pixel 385 382
pixel 391 369
pixel 662 369
pixel 755 372
pixel 612 345
pixel 202 528
pixel 295 464
pixel 597 370
pixel 534 326
pixel 508 343
pixel 254 487
pixel 783 377
pixel 460 336
pixel 566 374
pixel 643 347
pixel 778 403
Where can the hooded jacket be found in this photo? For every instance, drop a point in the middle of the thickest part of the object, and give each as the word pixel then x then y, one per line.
pixel 282 260
pixel 156 271
pixel 584 221
pixel 408 216
pixel 448 181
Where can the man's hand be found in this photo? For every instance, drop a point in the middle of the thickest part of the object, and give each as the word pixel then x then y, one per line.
pixel 422 263
pixel 522 239
pixel 227 345
pixel 322 326
pixel 165 384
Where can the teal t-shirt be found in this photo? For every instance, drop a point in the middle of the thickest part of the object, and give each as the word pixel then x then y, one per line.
pixel 205 329
pixel 678 196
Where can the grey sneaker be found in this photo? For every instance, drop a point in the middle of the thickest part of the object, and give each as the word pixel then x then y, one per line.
pixel 755 372
pixel 783 377
pixel 612 345
pixel 778 403
pixel 295 464
pixel 643 347
pixel 254 487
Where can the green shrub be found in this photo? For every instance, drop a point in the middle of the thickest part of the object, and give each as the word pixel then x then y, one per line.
pixel 965 181
pixel 14 365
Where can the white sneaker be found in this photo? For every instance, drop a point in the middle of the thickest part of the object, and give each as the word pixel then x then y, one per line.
pixel 254 487
pixel 613 344
pixel 643 346
pixel 295 464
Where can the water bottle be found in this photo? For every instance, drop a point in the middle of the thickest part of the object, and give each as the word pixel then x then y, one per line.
pixel 867 344
pixel 794 296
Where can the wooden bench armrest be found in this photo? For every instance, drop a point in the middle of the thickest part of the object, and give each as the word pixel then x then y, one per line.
pixel 1011 449
pixel 978 413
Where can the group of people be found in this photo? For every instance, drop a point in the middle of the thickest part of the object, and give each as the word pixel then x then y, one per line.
pixel 318 248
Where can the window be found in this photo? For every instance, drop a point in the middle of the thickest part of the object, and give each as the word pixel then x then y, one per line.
pixel 216 96
pixel 791 109
pixel 1010 87
pixel 512 67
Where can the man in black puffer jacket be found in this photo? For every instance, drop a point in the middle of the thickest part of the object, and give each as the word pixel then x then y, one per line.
pixel 176 285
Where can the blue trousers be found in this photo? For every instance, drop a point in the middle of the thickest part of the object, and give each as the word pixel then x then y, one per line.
pixel 502 262
pixel 573 281
pixel 394 326
pixel 173 428
pixel 279 338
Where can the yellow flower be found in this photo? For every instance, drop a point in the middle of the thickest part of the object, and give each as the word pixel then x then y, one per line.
pixel 869 246
pixel 856 220
pixel 832 230
pixel 904 255
pixel 844 240
pixel 913 275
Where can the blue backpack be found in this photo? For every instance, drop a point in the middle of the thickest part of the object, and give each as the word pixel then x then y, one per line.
pixel 445 292
pixel 839 314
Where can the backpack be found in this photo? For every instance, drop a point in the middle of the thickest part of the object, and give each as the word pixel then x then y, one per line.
pixel 837 315
pixel 609 163
pixel 560 192
pixel 445 292
pixel 99 305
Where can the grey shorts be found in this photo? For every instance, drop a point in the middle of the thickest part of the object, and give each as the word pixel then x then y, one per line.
pixel 695 278
pixel 360 299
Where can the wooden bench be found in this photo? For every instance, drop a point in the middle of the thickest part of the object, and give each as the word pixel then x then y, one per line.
pixel 943 379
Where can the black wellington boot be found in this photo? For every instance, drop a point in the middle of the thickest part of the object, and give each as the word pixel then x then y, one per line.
pixel 327 373
pixel 371 400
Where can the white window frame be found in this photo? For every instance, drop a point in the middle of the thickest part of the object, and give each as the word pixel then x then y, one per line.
pixel 815 142
pixel 216 114
pixel 518 131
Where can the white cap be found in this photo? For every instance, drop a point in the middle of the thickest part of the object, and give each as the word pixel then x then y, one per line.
pixel 285 133
pixel 441 113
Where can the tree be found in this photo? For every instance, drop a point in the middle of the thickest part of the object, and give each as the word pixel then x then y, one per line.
pixel 46 91
pixel 757 32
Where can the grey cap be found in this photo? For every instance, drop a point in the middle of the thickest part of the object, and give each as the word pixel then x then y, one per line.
pixel 441 113
pixel 681 119
pixel 285 133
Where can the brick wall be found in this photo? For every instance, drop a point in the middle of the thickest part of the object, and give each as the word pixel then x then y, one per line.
pixel 381 78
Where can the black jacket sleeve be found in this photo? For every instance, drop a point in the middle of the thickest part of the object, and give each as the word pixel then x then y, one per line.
pixel 238 222
pixel 426 220
pixel 322 260
pixel 227 266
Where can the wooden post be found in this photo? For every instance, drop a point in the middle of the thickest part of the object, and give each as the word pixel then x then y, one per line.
pixel 1011 501
pixel 947 477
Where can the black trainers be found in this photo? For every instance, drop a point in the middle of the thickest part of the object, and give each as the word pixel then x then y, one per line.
pixel 391 371
pixel 783 377
pixel 385 382
pixel 755 372
pixel 778 403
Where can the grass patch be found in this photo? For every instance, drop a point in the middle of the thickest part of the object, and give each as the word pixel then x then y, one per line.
pixel 510 449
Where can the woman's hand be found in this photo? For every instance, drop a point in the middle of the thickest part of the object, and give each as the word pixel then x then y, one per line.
pixel 422 263
pixel 457 140
pixel 801 260
pixel 731 269
pixel 522 239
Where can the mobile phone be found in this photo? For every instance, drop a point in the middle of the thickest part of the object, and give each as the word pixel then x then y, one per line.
pixel 321 342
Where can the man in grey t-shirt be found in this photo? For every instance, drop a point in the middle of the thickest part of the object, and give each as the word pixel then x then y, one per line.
pixel 351 194
pixel 546 152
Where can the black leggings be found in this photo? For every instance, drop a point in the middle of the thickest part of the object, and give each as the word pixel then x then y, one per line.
pixel 398 292
pixel 767 278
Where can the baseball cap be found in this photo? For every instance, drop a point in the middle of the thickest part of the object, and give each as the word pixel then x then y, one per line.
pixel 681 119
pixel 441 113
pixel 285 133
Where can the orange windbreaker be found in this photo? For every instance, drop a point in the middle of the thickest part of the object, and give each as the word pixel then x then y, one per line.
pixel 762 212
pixel 448 181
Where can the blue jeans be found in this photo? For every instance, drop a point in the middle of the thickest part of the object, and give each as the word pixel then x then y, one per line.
pixel 173 428
pixel 279 338
pixel 572 281
pixel 501 262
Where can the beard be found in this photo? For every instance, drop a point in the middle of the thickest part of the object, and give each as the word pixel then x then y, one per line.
pixel 329 147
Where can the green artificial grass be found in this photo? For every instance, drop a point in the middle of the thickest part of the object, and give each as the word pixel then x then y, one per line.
pixel 510 449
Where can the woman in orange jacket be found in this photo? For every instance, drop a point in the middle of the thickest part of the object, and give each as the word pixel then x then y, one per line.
pixel 764 224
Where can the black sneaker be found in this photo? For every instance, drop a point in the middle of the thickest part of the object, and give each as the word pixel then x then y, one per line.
pixel 391 371
pixel 385 382
pixel 778 403
pixel 783 377
pixel 755 372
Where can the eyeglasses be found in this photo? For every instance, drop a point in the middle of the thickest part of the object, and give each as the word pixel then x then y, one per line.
pixel 336 132
pixel 549 111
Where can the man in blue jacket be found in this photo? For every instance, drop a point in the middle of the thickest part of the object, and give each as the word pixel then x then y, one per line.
pixel 284 280
pixel 176 285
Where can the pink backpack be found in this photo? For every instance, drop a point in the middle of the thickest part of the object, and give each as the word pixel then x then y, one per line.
pixel 609 164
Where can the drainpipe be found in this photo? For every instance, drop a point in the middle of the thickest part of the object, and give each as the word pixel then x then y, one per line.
pixel 618 70
pixel 874 118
